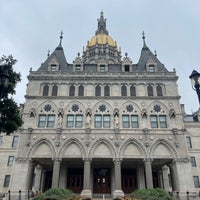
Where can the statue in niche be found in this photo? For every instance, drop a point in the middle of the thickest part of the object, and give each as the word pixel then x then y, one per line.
pixel 60 118
pixel 32 113
pixel 116 118
pixel 144 113
pixel 172 113
pixel 88 118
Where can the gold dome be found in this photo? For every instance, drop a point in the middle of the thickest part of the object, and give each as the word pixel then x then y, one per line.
pixel 101 39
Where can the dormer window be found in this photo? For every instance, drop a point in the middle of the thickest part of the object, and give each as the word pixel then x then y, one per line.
pixel 102 68
pixel 78 68
pixel 127 68
pixel 151 68
pixel 53 67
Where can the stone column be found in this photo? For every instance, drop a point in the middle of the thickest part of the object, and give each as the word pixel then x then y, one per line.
pixel 165 171
pixel 118 185
pixel 140 177
pixel 56 173
pixel 30 172
pixel 86 192
pixel 174 176
pixel 38 175
pixel 148 173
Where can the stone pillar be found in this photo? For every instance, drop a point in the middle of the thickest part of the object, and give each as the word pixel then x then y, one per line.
pixel 165 171
pixel 86 192
pixel 38 175
pixel 148 173
pixel 56 174
pixel 140 177
pixel 29 177
pixel 174 176
pixel 118 186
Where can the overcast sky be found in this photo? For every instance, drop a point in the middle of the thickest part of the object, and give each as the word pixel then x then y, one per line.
pixel 28 28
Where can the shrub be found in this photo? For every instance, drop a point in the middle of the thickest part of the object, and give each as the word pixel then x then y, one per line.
pixel 55 194
pixel 151 194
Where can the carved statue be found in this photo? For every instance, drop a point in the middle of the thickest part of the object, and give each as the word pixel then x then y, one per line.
pixel 144 113
pixel 172 113
pixel 88 118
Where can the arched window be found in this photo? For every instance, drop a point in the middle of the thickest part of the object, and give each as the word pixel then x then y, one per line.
pixel 55 90
pixel 97 91
pixel 106 90
pixel 150 90
pixel 72 90
pixel 159 90
pixel 123 91
pixel 45 90
pixel 132 90
pixel 81 90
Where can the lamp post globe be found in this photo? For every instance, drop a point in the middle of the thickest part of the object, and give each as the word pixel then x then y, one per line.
pixel 195 80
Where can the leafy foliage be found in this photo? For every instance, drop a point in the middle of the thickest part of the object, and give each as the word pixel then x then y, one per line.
pixel 151 194
pixel 55 194
pixel 10 118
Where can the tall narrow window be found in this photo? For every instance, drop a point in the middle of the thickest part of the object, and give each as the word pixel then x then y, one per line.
pixel 162 121
pixel 50 120
pixel 123 91
pixel 97 91
pixel 70 121
pixel 55 90
pixel 45 90
pixel 188 142
pixel 42 121
pixel 6 181
pixel 98 121
pixel 10 160
pixel 106 121
pixel 134 121
pixel 193 161
pixel 196 181
pixel 79 121
pixel 106 90
pixel 154 121
pixel 81 90
pixel 150 90
pixel 159 90
pixel 132 90
pixel 15 141
pixel 125 121
pixel 72 90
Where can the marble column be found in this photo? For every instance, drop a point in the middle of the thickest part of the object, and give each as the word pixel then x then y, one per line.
pixel 86 192
pixel 56 173
pixel 118 185
pixel 165 171
pixel 148 173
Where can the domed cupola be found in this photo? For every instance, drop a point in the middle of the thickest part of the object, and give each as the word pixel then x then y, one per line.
pixel 101 48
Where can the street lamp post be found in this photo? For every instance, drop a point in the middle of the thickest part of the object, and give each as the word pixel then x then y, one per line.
pixel 195 79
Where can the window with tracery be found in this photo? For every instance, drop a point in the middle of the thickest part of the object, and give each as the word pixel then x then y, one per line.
pixel 97 91
pixel 150 90
pixel 72 91
pixel 106 90
pixel 81 90
pixel 45 90
pixel 123 91
pixel 159 90
pixel 55 90
pixel 132 90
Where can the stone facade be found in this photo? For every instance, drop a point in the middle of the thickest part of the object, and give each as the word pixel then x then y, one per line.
pixel 103 125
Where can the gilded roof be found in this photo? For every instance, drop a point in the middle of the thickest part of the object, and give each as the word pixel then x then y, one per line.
pixel 101 39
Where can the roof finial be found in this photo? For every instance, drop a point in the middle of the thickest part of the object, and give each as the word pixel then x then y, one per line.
pixel 155 53
pixel 101 25
pixel 48 53
pixel 143 37
pixel 61 37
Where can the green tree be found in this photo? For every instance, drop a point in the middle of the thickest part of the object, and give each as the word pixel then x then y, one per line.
pixel 10 119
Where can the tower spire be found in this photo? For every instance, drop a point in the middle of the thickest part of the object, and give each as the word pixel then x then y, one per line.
pixel 61 37
pixel 143 37
pixel 101 25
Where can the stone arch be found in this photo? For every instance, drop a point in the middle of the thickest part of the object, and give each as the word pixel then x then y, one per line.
pixel 81 108
pixel 132 149
pixel 53 109
pixel 72 148
pixel 162 149
pixel 135 106
pixel 42 147
pixel 102 148
pixel 164 107
pixel 95 107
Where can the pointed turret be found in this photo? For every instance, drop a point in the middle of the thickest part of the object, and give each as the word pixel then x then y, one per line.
pixel 101 25
pixel 148 58
pixel 56 58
